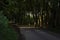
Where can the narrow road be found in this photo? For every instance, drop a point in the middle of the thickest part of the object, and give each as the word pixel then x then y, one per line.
pixel 32 34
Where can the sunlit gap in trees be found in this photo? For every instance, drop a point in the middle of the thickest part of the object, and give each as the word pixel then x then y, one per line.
pixel 30 14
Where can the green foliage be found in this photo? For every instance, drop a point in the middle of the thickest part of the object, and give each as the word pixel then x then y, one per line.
pixel 27 19
pixel 3 19
pixel 6 32
pixel 17 9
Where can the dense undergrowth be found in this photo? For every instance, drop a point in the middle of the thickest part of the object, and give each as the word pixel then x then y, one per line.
pixel 6 32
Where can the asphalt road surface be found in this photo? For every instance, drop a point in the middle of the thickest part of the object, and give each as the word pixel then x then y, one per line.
pixel 32 34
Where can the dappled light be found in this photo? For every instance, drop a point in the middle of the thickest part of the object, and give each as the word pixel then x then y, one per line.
pixel 29 19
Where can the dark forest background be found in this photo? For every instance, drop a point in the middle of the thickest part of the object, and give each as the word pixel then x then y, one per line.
pixel 44 14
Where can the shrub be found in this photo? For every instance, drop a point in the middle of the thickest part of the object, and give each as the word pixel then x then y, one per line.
pixel 6 32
